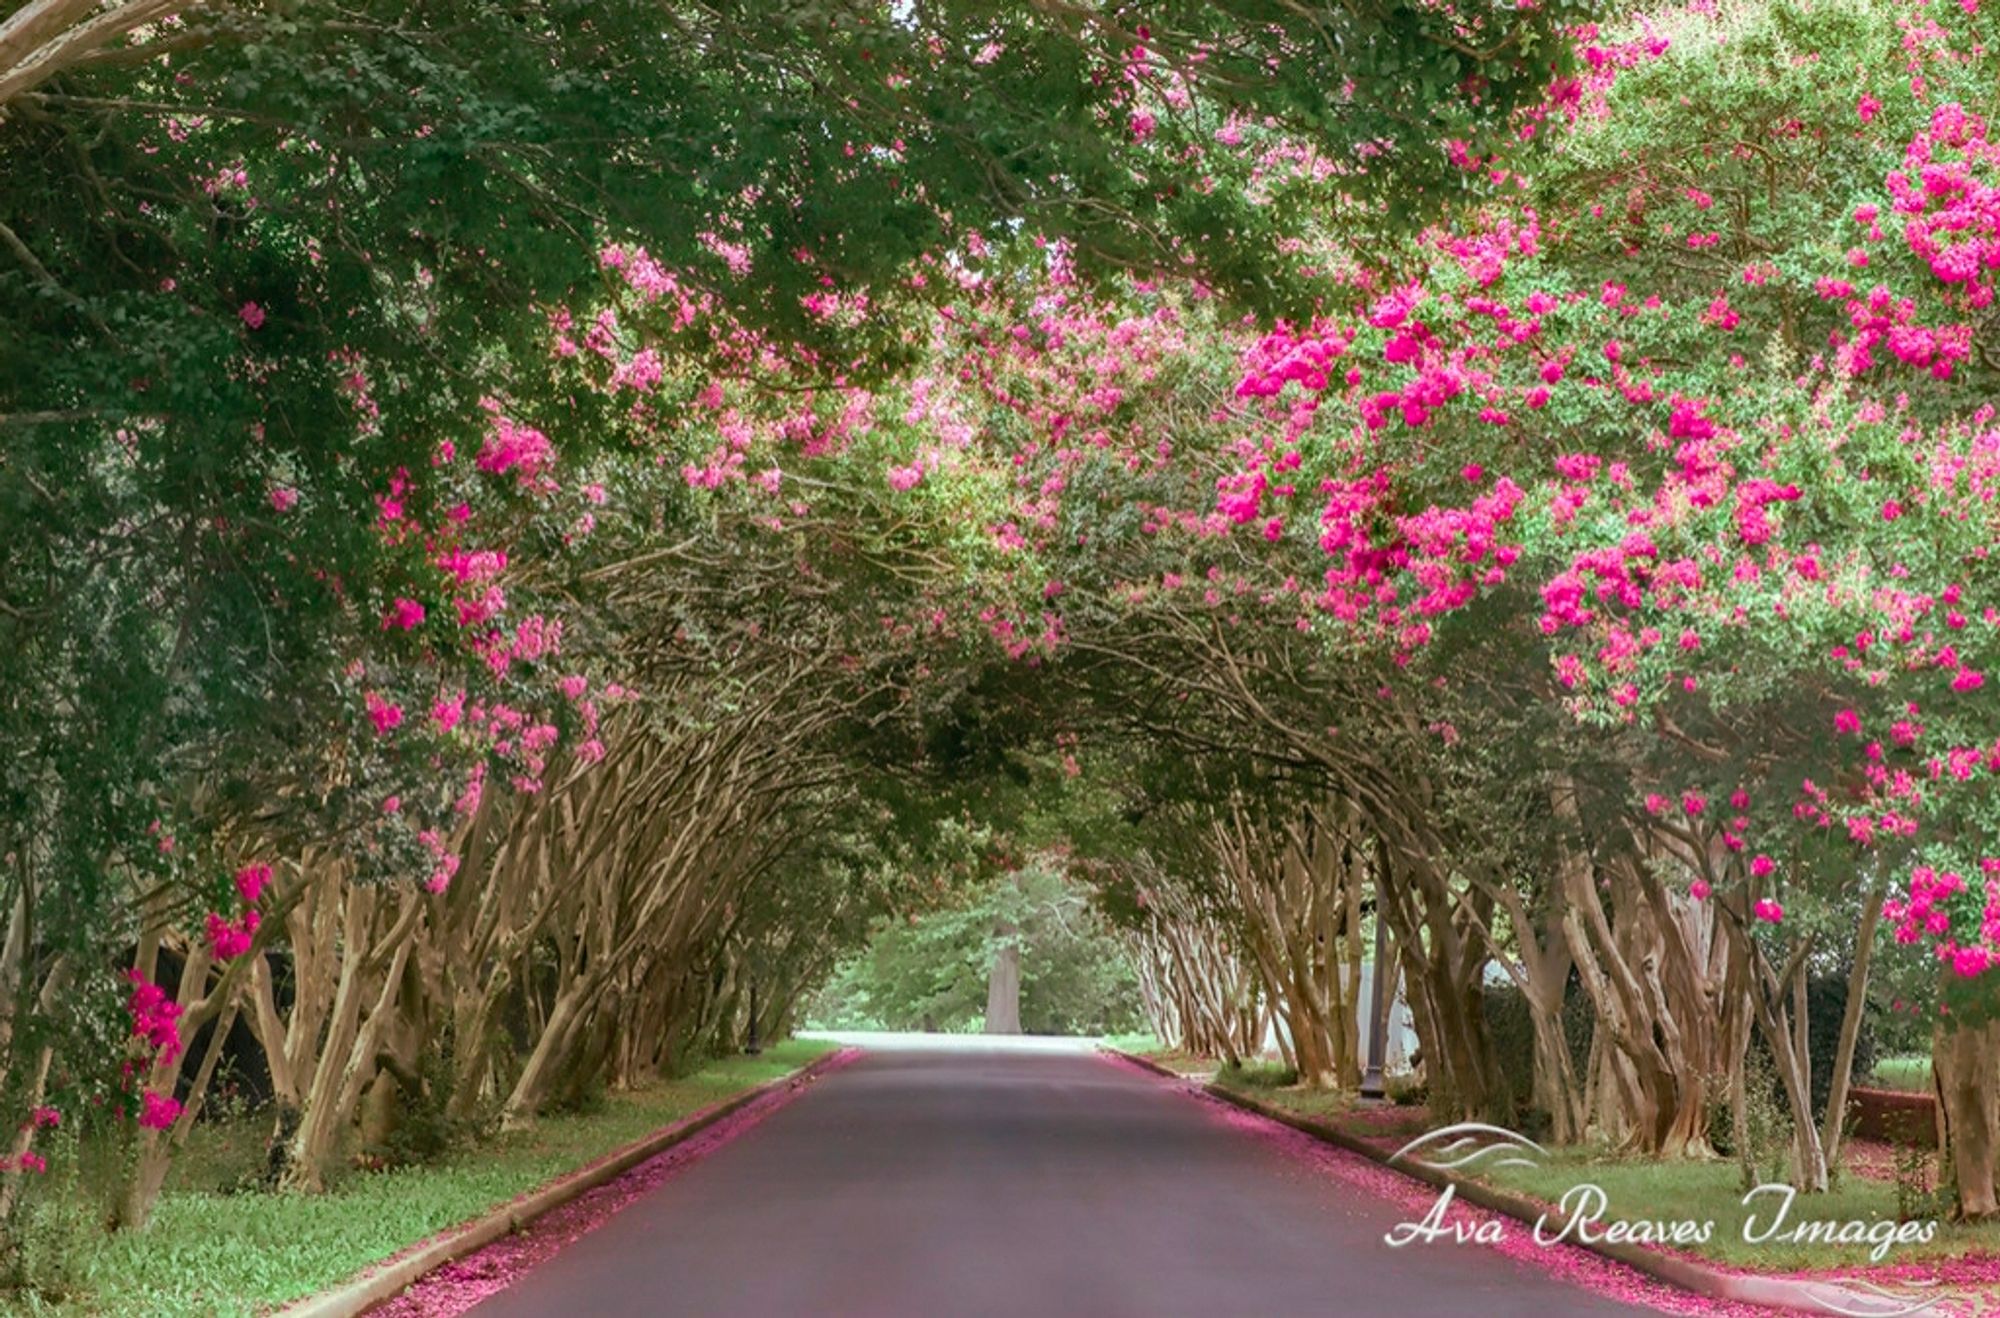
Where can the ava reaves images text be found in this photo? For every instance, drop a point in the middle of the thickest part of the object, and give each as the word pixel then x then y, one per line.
pixel 1582 1216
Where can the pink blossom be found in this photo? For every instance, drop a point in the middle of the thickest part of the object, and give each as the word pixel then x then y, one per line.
pixel 403 615
pixel 251 881
pixel 158 1111
pixel 283 497
pixel 1699 890
pixel 155 1017
pixel 1970 962
pixel 511 446
pixel 384 714
pixel 1761 866
pixel 228 939
pixel 447 710
pixel 1768 911
pixel 253 315
pixel 441 875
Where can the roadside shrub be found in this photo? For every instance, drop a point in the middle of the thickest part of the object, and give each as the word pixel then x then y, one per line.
pixel 1258 1075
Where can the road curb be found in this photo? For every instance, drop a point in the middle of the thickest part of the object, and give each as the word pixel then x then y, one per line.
pixel 1699 1278
pixel 384 1281
pixel 1145 1063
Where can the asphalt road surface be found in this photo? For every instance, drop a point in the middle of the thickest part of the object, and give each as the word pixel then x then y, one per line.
pixel 933 1183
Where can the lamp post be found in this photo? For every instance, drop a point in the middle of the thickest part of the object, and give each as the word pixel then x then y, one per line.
pixel 1378 1009
pixel 753 1047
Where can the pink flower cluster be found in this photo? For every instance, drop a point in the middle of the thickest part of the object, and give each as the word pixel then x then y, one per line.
pixel 384 713
pixel 1923 911
pixel 42 1118
pixel 227 938
pixel 158 1111
pixel 155 1018
pixel 511 446
pixel 251 881
pixel 403 615
pixel 156 1025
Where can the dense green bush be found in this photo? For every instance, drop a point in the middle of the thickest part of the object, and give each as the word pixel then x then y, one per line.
pixel 1512 1030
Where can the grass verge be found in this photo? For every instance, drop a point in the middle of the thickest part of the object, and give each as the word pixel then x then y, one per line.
pixel 1386 1125
pixel 208 1252
pixel 1699 1191
pixel 1712 1191
pixel 1146 1046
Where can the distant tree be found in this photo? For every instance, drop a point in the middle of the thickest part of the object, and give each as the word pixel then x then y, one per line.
pixel 938 968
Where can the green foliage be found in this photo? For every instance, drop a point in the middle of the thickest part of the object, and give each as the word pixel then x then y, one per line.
pixel 1916 1196
pixel 209 1254
pixel 1407 1091
pixel 425 1133
pixel 1826 1004
pixel 1512 1029
pixel 1767 1121
pixel 1709 1191
pixel 930 970
pixel 298 251
pixel 1256 1075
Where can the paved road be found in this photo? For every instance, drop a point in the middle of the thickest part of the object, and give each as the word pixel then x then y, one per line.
pixel 934 1183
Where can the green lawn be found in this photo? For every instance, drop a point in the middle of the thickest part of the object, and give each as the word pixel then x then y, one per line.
pixel 1272 1083
pixel 213 1253
pixel 1711 1191
pixel 1707 1191
pixel 1150 1048
pixel 1912 1073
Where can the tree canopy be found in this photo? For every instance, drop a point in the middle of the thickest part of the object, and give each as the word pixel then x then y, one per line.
pixel 529 522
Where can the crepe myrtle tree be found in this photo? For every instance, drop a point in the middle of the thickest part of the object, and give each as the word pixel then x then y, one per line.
pixel 1679 536
pixel 280 279
pixel 1722 507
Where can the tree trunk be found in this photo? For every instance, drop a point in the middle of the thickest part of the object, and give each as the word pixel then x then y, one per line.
pixel 1834 1128
pixel 1555 1074
pixel 1003 985
pixel 1965 1065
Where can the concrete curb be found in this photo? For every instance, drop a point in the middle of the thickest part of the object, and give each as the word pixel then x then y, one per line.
pixel 384 1281
pixel 1770 1292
